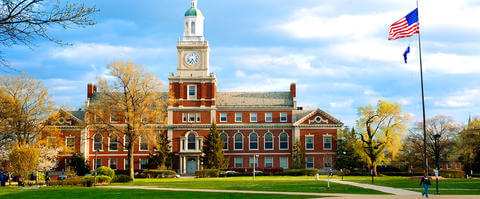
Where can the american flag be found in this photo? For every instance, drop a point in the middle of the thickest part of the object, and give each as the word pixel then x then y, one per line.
pixel 405 27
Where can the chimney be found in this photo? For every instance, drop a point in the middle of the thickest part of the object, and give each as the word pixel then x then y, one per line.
pixel 293 90
pixel 90 90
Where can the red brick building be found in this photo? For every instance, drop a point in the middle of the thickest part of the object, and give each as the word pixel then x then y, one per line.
pixel 251 123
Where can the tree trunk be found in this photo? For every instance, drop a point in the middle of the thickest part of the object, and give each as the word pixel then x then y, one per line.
pixel 130 159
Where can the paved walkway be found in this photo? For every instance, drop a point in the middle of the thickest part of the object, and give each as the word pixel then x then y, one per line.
pixel 394 191
pixel 332 195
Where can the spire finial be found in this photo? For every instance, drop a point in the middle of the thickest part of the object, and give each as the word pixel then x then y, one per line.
pixel 194 3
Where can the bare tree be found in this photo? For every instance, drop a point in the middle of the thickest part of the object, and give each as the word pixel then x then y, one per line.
pixel 127 103
pixel 23 21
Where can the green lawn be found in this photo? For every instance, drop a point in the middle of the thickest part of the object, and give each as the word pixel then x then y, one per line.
pixel 262 183
pixel 455 186
pixel 84 192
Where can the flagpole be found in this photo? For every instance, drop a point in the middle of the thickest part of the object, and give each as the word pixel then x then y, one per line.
pixel 425 161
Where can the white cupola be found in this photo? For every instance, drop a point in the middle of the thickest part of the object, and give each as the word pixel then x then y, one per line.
pixel 193 21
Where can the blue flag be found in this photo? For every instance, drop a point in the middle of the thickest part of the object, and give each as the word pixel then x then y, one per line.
pixel 405 54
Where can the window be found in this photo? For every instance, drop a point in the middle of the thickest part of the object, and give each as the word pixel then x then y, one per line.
pixel 98 163
pixel 191 117
pixel 224 138
pixel 97 142
pixel 238 162
pixel 309 142
pixel 284 162
pixel 97 118
pixel 114 118
pixel 70 142
pixel 253 117
pixel 283 141
pixel 126 164
pixel 51 141
pixel 126 142
pixel 143 164
pixel 143 144
pixel 251 162
pixel 238 117
pixel 253 139
pixel 309 162
pixel 144 119
pixel 327 142
pixel 268 162
pixel 268 117
pixel 192 92
pixel 327 162
pixel 223 117
pixel 191 141
pixel 113 142
pixel 112 163
pixel 238 141
pixel 268 142
pixel 283 117
pixel 184 117
pixel 198 117
pixel 193 28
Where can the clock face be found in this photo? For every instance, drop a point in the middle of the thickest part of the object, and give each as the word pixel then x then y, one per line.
pixel 192 59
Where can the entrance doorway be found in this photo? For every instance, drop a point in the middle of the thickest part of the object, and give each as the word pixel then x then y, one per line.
pixel 191 166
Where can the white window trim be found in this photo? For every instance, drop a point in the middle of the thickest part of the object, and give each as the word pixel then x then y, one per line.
pixel 184 117
pixel 223 132
pixel 188 92
pixel 95 161
pixel 241 117
pixel 109 159
pixel 280 162
pixel 249 141
pixel 250 162
pixel 125 143
pixel 306 163
pixel 264 141
pixel 235 161
pixel 286 117
pixel 198 117
pixel 226 117
pixel 101 141
pixel 234 143
pixel 140 144
pixel 271 117
pixel 140 163
pixel 110 142
pixel 331 142
pixel 313 142
pixel 279 141
pixel 325 161
pixel 195 141
pixel 256 117
pixel 125 163
pixel 188 117
pixel 265 162
pixel 66 142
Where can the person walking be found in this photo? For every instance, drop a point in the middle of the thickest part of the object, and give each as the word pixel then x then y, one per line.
pixel 425 181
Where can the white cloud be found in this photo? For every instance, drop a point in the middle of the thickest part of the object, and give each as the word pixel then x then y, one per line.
pixel 452 63
pixel 461 99
pixel 342 104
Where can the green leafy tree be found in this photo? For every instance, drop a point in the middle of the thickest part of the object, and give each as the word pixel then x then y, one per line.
pixel 347 156
pixel 298 156
pixel 213 151
pixel 159 159
pixel 79 164
pixel 468 146
pixel 381 131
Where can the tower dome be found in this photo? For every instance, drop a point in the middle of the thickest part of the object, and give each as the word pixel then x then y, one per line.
pixel 193 24
pixel 193 12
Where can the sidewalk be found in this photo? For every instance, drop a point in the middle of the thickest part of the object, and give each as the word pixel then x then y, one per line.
pixel 394 191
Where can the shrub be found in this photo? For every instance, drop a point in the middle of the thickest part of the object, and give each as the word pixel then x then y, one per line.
pixel 121 178
pixel 343 172
pixel 207 173
pixel 154 173
pixel 300 172
pixel 41 176
pixel 451 173
pixel 403 173
pixel 105 171
pixel 76 181
pixel 101 179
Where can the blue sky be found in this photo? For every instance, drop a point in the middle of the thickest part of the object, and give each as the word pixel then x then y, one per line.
pixel 335 50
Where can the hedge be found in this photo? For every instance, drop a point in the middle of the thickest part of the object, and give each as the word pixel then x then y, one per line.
pixel 403 173
pixel 76 181
pixel 101 179
pixel 300 172
pixel 288 172
pixel 451 173
pixel 207 173
pixel 250 169
pixel 105 171
pixel 154 173
pixel 121 178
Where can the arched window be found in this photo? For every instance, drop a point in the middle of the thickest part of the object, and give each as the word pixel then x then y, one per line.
pixel 97 142
pixel 253 139
pixel 238 141
pixel 283 141
pixel 193 28
pixel 224 138
pixel 268 141
pixel 191 141
pixel 186 28
pixel 113 142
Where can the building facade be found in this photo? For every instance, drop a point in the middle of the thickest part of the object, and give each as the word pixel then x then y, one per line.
pixel 262 124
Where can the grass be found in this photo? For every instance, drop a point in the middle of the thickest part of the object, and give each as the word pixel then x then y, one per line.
pixel 262 183
pixel 83 192
pixel 450 186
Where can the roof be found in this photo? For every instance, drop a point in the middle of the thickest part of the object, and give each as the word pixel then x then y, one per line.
pixel 299 114
pixel 78 114
pixel 321 112
pixel 193 12
pixel 254 99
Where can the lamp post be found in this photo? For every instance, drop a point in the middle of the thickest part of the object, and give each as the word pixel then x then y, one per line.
pixel 437 154
pixel 95 168
pixel 255 156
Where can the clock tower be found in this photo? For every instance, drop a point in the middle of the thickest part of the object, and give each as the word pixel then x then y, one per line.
pixel 193 50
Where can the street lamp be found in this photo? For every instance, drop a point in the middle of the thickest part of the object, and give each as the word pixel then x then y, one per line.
pixel 95 167
pixel 437 154
pixel 255 156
